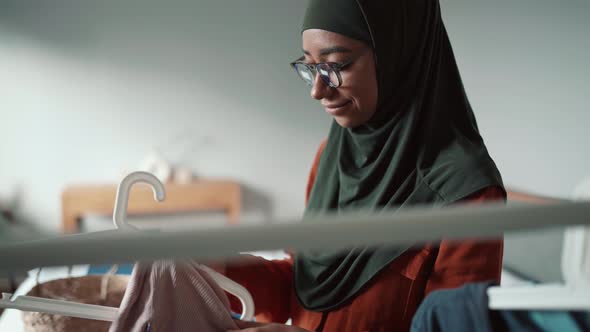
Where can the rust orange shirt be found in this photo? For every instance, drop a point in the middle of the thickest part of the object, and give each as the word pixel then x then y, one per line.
pixel 390 300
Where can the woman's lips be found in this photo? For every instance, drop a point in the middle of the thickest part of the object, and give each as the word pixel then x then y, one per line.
pixel 336 109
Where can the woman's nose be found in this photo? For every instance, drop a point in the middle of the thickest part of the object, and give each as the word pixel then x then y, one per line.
pixel 319 89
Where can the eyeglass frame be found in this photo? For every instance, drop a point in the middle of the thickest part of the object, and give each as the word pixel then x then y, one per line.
pixel 335 66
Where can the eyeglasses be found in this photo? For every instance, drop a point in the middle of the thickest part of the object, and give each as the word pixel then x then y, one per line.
pixel 329 71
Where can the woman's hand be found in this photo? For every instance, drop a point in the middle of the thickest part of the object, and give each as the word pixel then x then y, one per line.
pixel 265 327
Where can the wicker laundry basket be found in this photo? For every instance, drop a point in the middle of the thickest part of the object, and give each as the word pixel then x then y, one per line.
pixel 107 290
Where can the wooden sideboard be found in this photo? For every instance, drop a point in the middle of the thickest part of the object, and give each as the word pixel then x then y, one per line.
pixel 198 196
pixel 515 195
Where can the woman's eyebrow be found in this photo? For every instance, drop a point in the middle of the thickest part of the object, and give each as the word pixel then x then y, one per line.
pixel 331 50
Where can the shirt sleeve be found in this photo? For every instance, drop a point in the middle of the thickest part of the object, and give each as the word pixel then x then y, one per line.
pixel 314 170
pixel 460 262
pixel 270 283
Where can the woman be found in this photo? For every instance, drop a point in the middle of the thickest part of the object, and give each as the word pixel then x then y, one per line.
pixel 404 134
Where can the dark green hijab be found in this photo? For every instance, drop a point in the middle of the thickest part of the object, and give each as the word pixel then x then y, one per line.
pixel 422 146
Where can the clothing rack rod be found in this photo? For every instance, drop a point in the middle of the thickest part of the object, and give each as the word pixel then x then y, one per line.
pixel 405 227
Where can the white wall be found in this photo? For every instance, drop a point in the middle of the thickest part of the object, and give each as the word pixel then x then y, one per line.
pixel 87 89
pixel 525 67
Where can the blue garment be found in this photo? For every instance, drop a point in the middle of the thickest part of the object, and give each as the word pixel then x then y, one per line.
pixel 454 310
pixel 124 269
pixel 546 321
pixel 466 309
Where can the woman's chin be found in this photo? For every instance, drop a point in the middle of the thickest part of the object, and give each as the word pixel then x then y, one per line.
pixel 346 122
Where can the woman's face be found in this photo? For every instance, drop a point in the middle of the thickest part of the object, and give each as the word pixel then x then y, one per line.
pixel 355 101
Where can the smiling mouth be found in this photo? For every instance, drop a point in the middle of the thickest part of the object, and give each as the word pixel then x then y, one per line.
pixel 337 109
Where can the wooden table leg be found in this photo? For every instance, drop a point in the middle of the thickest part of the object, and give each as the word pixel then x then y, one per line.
pixel 70 224
pixel 234 216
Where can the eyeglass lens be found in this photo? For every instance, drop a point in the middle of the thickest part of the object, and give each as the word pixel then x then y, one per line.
pixel 326 72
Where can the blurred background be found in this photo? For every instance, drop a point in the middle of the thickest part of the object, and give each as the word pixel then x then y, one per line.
pixel 90 89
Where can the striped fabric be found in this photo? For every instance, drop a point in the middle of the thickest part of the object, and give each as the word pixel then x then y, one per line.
pixel 173 296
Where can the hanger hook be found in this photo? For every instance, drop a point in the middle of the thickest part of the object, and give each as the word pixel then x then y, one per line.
pixel 122 199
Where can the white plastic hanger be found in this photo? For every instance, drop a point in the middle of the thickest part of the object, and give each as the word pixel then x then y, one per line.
pixel 122 198
pixel 104 313
pixel 561 297
pixel 572 295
